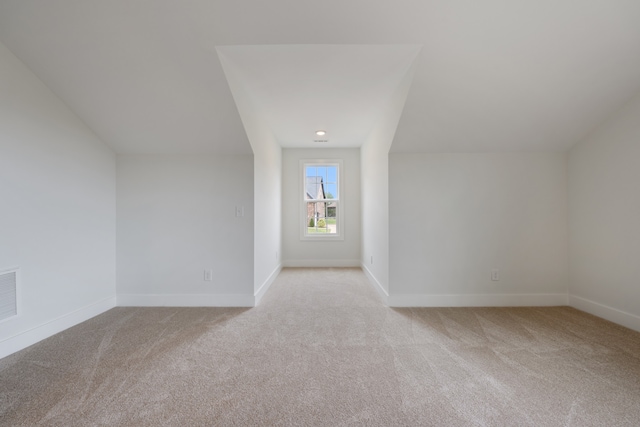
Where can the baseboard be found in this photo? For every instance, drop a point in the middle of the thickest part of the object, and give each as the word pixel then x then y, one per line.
pixel 321 263
pixel 185 300
pixel 31 336
pixel 267 284
pixel 376 284
pixel 614 315
pixel 477 300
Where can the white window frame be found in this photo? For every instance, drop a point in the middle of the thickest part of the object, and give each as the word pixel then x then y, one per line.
pixel 304 235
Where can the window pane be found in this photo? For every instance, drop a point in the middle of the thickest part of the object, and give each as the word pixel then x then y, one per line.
pixel 332 174
pixel 322 173
pixel 331 191
pixel 321 218
pixel 312 188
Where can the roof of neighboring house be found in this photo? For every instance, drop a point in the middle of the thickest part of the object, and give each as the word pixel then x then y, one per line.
pixel 313 185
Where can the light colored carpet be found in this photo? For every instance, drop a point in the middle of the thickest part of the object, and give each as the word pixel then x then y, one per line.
pixel 321 349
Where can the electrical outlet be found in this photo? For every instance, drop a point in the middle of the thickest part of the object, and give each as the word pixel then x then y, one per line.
pixel 495 274
pixel 208 275
pixel 239 211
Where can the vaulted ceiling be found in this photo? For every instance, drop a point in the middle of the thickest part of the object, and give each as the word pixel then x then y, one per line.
pixel 150 76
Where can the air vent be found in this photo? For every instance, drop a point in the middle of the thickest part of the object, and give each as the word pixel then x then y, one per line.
pixel 8 294
pixel 320 140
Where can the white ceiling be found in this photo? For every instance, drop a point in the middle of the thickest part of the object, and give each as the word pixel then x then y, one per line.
pixel 298 89
pixel 491 75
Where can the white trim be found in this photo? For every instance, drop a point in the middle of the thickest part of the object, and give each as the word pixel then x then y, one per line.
pixel 321 263
pixel 376 284
pixel 614 315
pixel 477 300
pixel 267 284
pixel 31 336
pixel 185 300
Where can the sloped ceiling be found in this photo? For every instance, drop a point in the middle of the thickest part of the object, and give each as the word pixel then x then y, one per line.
pixel 298 89
pixel 491 75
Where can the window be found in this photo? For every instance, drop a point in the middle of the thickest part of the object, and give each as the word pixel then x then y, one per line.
pixel 321 213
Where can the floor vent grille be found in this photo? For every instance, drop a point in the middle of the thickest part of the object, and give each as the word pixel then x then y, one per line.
pixel 8 294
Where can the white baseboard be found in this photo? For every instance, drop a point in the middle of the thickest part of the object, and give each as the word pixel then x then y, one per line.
pixel 614 315
pixel 477 300
pixel 31 336
pixel 321 263
pixel 267 284
pixel 376 284
pixel 185 300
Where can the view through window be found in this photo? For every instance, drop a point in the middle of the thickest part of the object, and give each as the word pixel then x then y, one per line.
pixel 321 197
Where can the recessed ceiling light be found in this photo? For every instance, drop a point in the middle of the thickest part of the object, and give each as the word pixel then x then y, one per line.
pixel 321 133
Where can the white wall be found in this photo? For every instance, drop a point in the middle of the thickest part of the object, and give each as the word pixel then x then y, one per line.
pixel 604 213
pixel 334 253
pixel 57 214
pixel 267 185
pixel 375 214
pixel 374 158
pixel 176 218
pixel 454 217
pixel 267 229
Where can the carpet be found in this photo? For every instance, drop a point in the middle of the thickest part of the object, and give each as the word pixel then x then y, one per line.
pixel 322 350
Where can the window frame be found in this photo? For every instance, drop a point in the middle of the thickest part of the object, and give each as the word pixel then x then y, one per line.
pixel 304 235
